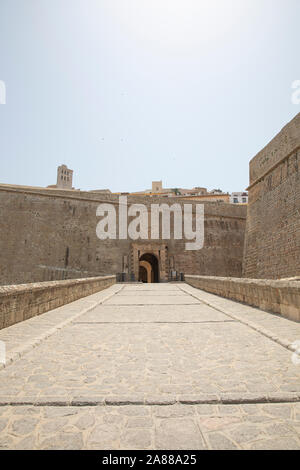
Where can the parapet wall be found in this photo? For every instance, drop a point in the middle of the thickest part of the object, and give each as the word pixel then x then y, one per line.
pixel 23 301
pixel 275 296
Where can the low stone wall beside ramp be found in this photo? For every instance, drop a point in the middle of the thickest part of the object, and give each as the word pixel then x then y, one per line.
pixel 23 301
pixel 274 296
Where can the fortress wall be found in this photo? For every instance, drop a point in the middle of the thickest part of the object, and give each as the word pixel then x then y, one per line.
pixel 272 242
pixel 50 235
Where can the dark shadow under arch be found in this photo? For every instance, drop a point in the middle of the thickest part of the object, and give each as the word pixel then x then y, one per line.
pixel 153 261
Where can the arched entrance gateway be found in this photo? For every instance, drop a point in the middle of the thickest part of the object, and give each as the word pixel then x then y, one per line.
pixel 149 262
pixel 148 268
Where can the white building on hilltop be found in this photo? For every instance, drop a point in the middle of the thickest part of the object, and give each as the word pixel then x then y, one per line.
pixel 239 198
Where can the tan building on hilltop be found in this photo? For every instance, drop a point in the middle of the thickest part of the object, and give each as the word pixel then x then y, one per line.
pixel 157 187
pixel 215 197
pixel 101 191
pixel 65 177
pixel 194 193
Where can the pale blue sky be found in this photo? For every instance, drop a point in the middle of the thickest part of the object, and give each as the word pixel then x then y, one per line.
pixel 129 91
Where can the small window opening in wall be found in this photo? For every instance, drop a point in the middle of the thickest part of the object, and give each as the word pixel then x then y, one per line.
pixel 67 257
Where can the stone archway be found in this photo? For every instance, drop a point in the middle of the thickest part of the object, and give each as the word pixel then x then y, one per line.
pixel 159 260
pixel 148 268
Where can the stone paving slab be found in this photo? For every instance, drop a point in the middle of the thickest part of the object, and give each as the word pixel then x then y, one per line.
pixel 152 300
pixel 159 359
pixel 264 426
pixel 192 375
pixel 164 287
pixel 23 336
pixel 151 293
pixel 287 330
pixel 154 313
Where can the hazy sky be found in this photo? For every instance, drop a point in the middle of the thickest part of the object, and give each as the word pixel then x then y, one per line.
pixel 129 91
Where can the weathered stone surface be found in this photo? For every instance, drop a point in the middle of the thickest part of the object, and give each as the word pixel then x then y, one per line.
pixel 105 435
pixel 273 222
pixel 281 297
pixel 219 441
pixel 136 439
pixel 24 426
pixel 175 433
pixel 67 220
pixel 3 423
pixel 283 443
pixel 169 368
pixel 24 301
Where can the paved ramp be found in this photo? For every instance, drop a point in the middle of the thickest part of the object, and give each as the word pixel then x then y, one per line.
pixel 158 366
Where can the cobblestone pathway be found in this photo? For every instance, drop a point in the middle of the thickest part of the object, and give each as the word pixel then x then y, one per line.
pixel 154 366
